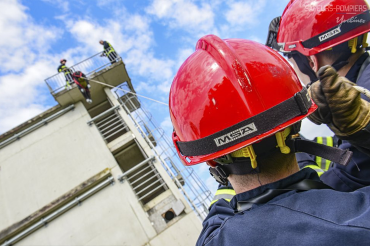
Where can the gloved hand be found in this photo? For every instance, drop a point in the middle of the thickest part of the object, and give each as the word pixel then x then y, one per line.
pixel 340 105
pixel 82 90
pixel 88 86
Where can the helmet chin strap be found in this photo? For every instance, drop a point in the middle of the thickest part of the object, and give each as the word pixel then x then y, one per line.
pixel 242 166
pixel 304 65
pixel 341 61
pixel 349 48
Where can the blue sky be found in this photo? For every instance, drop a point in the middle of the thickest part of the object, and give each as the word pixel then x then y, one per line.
pixel 153 37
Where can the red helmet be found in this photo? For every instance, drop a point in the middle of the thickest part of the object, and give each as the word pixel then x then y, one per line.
pixel 310 27
pixel 229 94
pixel 63 60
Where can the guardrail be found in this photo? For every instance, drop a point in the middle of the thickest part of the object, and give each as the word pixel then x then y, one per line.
pixel 93 64
pixel 110 124
pixel 145 180
pixel 186 179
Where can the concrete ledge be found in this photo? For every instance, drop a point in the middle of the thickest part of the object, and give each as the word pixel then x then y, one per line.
pixel 121 142
pixel 113 75
pixel 151 204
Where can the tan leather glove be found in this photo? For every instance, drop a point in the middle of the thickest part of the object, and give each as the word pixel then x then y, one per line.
pixel 340 105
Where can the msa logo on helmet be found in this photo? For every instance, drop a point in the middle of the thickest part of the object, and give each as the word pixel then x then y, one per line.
pixel 330 34
pixel 234 135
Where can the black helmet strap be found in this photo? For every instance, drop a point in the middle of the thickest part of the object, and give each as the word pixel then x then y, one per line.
pixel 304 65
pixel 242 166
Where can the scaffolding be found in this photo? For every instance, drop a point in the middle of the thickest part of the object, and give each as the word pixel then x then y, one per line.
pixel 195 190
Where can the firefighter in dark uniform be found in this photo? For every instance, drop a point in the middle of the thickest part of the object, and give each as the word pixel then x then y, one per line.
pixel 67 73
pixel 312 36
pixel 237 105
pixel 109 51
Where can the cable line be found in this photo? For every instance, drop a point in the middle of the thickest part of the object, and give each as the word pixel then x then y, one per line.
pixel 128 92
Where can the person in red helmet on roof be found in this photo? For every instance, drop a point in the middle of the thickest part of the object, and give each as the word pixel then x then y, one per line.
pixel 332 33
pixel 236 104
pixel 67 73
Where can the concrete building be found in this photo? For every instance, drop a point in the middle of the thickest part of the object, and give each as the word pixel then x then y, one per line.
pixel 96 174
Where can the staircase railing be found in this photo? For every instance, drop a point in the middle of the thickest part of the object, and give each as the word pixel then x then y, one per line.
pixel 192 186
pixel 110 124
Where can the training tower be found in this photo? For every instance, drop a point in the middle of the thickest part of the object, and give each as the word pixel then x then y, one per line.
pixel 96 174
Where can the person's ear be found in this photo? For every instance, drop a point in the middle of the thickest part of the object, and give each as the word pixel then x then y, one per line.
pixel 314 63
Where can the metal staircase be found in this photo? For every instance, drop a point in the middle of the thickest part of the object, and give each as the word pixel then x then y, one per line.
pixel 185 178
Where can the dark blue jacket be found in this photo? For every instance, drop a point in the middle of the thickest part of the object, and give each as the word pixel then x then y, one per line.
pixel 314 217
pixel 357 173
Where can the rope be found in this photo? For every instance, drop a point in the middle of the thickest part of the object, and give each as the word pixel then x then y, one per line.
pixel 128 92
pixel 362 90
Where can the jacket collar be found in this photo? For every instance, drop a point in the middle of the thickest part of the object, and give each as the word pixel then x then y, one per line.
pixel 306 173
pixel 355 69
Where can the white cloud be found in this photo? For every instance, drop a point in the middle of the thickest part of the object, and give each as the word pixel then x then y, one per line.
pixel 22 40
pixel 243 14
pixel 25 64
pixel 132 37
pixel 146 64
pixel 105 3
pixel 166 125
pixel 183 54
pixel 62 4
pixel 202 171
pixel 21 98
pixel 257 39
pixel 184 14
pixel 211 184
pixel 20 89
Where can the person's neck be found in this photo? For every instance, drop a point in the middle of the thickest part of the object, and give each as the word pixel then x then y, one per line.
pixel 351 61
pixel 257 180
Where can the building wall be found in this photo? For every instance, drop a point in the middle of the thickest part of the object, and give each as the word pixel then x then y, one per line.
pixel 110 217
pixel 184 233
pixel 49 162
pixel 57 157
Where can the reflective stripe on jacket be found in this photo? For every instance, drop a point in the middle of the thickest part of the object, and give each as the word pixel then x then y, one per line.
pixel 108 48
pixel 321 162
pixel 226 193
pixel 64 68
pixel 318 170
